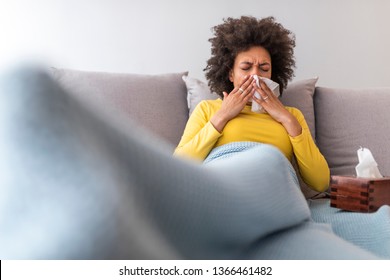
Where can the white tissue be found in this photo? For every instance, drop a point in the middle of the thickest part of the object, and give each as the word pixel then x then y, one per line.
pixel 367 167
pixel 272 86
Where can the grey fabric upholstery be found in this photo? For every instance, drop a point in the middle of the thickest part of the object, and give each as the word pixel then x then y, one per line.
pixel 158 102
pixel 347 119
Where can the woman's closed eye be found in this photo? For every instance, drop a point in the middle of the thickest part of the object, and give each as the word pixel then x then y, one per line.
pixel 246 66
pixel 265 67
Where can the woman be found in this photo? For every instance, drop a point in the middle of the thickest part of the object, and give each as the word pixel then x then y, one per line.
pixel 242 49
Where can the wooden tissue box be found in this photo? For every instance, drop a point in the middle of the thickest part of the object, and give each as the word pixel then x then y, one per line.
pixel 359 194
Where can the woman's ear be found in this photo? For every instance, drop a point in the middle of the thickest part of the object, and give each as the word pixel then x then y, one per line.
pixel 231 76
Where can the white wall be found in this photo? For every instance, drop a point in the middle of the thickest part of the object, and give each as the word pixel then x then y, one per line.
pixel 345 43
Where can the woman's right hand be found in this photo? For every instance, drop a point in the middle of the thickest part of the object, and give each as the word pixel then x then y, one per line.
pixel 233 103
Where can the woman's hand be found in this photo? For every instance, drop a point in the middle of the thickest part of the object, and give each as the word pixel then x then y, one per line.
pixel 276 109
pixel 233 103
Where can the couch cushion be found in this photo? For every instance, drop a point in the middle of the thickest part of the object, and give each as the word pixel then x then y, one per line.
pixel 347 119
pixel 158 102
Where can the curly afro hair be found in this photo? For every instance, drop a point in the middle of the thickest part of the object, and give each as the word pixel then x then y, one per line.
pixel 237 35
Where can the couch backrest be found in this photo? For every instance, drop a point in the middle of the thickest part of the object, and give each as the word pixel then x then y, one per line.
pixel 347 119
pixel 157 102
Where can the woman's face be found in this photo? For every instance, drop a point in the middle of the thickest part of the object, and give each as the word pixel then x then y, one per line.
pixel 255 61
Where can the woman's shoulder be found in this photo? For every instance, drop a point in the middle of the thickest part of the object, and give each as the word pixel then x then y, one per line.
pixel 210 103
pixel 293 110
pixel 207 106
pixel 296 112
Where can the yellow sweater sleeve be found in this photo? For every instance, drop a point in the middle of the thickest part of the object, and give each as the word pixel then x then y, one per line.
pixel 199 135
pixel 311 163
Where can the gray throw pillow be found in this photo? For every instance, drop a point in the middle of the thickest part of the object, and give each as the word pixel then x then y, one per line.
pixel 157 102
pixel 349 118
pixel 197 91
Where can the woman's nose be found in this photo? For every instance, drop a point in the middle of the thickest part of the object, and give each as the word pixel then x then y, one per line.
pixel 256 71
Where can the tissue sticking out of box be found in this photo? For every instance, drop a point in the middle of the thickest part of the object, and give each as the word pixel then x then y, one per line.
pixel 367 167
pixel 271 84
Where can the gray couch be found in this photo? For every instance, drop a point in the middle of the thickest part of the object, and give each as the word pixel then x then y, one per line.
pixel 78 174
pixel 341 120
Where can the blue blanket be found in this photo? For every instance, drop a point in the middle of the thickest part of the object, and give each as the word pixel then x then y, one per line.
pixel 231 149
pixel 370 231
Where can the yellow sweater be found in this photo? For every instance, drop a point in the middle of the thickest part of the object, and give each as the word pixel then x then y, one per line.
pixel 200 137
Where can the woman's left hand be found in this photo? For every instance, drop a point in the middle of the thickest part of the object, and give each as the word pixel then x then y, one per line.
pixel 276 109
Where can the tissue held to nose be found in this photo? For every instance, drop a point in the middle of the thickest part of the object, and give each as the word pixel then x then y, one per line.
pixel 367 167
pixel 272 86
